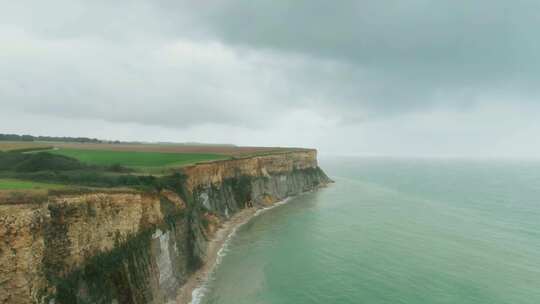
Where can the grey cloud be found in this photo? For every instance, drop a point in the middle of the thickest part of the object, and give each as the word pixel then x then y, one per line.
pixel 406 33
pixel 377 56
pixel 401 54
pixel 227 65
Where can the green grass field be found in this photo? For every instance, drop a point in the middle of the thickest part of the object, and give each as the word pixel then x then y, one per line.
pixel 137 160
pixel 15 184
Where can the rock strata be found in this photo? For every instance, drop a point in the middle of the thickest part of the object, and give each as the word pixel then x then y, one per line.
pixel 135 247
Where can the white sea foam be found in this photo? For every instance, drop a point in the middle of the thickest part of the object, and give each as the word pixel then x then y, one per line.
pixel 198 293
pixel 262 210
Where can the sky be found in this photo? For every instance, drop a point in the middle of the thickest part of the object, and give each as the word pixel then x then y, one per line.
pixel 449 78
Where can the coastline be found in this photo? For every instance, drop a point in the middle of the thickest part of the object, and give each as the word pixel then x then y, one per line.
pixel 200 277
pixel 188 293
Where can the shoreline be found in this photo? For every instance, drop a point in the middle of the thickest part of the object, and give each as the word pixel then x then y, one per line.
pixel 215 245
pixel 199 278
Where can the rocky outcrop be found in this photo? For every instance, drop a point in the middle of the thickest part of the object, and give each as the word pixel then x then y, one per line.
pixel 134 247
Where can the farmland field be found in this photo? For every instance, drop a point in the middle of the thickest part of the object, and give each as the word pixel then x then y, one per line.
pixel 135 159
pixel 13 145
pixel 15 184
pixel 229 150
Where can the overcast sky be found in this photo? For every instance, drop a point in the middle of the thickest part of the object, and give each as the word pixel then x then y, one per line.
pixel 378 77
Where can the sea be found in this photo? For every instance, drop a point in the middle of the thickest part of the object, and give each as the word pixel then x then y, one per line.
pixel 392 230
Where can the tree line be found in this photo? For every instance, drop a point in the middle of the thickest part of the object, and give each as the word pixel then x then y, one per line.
pixel 16 137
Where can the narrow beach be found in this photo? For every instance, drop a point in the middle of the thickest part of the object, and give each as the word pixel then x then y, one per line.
pixel 214 246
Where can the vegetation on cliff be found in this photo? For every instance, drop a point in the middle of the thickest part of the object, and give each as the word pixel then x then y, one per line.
pixel 127 273
pixel 14 184
pixel 89 168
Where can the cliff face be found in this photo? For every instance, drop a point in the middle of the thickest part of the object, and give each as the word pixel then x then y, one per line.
pixel 93 248
pixel 132 247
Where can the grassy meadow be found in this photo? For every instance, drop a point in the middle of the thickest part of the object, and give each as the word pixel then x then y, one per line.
pixel 42 166
pixel 136 159
pixel 15 184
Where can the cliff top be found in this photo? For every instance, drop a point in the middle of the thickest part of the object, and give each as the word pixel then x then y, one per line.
pixel 229 150
pixel 36 168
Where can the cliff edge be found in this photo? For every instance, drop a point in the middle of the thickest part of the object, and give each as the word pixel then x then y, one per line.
pixel 130 246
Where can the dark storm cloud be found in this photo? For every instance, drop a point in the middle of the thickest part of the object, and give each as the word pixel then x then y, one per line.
pixel 401 53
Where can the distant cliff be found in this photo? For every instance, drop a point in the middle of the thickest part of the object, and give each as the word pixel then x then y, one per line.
pixel 127 246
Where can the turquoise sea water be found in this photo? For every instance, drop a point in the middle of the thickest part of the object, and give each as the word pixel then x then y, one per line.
pixel 394 231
